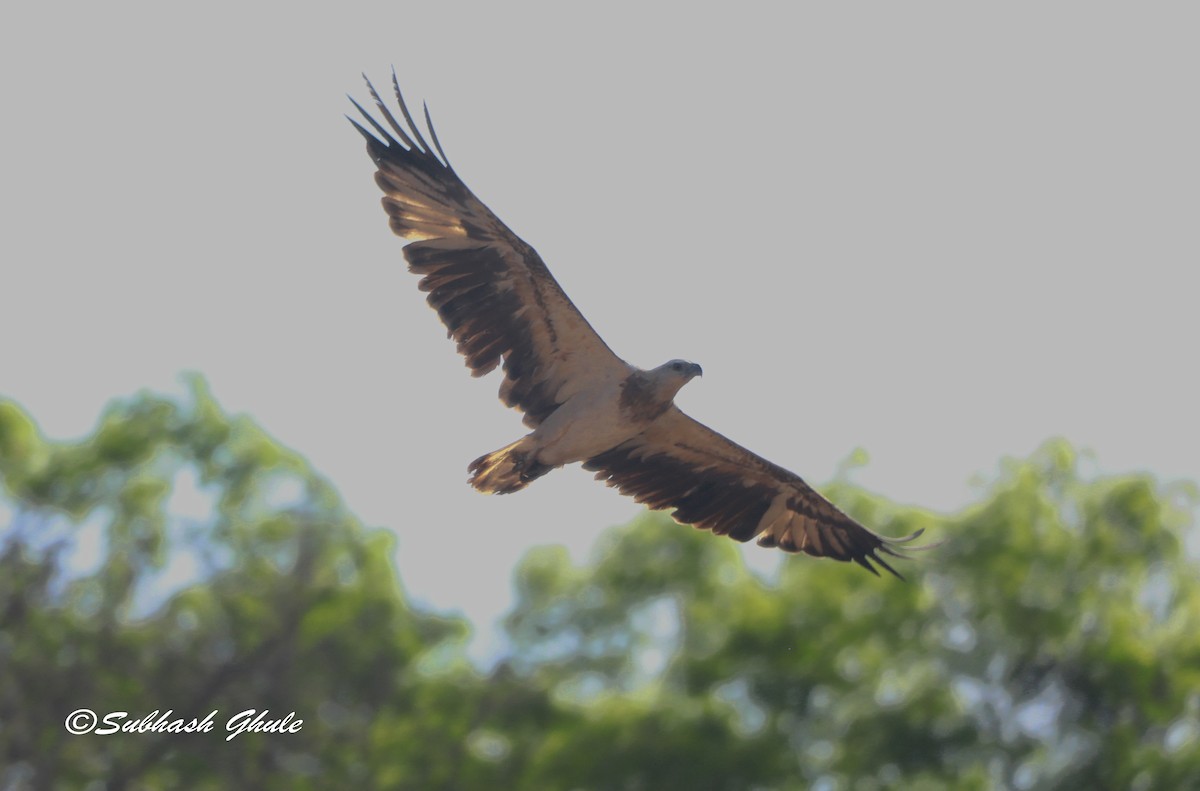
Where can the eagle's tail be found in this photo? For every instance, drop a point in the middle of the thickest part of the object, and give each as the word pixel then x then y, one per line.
pixel 507 470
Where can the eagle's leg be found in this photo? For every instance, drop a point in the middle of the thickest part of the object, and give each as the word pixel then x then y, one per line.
pixel 509 469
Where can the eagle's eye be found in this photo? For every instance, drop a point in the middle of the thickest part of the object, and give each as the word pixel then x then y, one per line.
pixel 676 366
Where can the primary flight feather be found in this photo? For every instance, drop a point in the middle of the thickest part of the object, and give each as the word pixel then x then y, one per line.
pixel 584 403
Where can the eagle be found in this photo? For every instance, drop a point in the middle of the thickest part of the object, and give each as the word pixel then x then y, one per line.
pixel 583 403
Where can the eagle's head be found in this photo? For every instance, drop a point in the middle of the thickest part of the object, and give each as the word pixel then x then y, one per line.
pixel 674 374
pixel 682 369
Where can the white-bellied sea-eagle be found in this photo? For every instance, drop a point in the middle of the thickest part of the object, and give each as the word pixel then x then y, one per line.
pixel 584 403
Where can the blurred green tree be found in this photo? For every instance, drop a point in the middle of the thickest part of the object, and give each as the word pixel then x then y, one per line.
pixel 292 606
pixel 1053 642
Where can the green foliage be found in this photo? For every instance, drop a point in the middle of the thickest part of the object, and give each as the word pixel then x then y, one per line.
pixel 294 608
pixel 1053 641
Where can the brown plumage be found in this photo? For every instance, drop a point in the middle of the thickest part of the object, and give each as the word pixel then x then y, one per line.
pixel 491 290
pixel 502 306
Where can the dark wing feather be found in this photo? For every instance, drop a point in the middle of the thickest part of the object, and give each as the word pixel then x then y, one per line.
pixel 492 290
pixel 715 484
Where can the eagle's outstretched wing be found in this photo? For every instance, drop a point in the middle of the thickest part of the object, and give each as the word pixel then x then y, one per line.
pixel 716 484
pixel 492 291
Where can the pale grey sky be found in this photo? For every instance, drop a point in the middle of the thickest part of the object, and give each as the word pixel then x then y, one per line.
pixel 941 233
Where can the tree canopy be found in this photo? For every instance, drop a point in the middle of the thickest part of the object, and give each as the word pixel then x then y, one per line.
pixel 1053 641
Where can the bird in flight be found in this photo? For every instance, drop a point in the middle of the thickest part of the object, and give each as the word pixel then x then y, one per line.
pixel 583 403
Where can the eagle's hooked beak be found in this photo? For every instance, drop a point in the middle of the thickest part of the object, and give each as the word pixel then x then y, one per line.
pixel 696 370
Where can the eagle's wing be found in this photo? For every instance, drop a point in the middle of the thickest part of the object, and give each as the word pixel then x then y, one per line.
pixel 491 289
pixel 715 484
